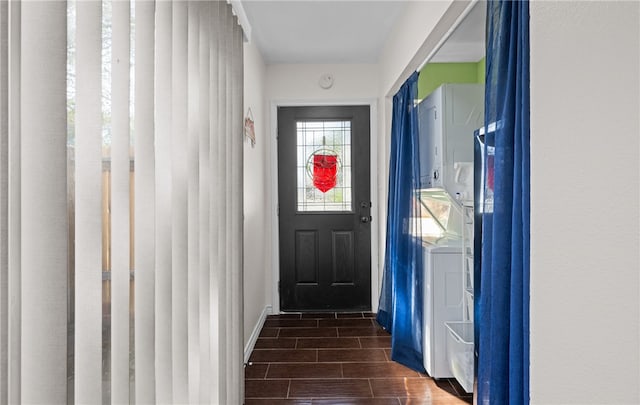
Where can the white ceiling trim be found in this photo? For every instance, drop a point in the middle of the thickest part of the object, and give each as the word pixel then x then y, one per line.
pixel 238 10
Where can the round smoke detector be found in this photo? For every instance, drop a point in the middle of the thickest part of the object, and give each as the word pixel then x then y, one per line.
pixel 326 81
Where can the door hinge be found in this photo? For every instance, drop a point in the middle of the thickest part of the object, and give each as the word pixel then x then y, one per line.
pixel 278 210
pixel 279 287
pixel 435 113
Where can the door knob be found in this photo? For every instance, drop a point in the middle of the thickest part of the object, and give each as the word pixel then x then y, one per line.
pixel 365 219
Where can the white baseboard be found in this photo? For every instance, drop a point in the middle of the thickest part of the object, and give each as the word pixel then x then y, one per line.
pixel 256 332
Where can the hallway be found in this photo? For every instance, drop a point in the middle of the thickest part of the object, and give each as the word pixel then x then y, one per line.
pixel 329 358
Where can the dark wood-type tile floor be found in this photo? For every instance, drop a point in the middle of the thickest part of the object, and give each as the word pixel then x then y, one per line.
pixel 336 358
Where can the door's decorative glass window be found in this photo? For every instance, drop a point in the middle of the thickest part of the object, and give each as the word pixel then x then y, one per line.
pixel 323 165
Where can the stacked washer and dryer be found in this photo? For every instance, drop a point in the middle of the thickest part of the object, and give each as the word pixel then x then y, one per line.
pixel 447 119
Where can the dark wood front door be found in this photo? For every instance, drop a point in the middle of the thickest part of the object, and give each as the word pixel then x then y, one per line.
pixel 324 207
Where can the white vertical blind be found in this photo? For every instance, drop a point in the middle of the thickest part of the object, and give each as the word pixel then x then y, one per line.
pixel 43 217
pixel 222 281
pixel 120 202
pixel 225 147
pixel 236 382
pixel 185 124
pixel 14 276
pixel 216 296
pixel 145 205
pixel 88 203
pixel 232 145
pixel 204 194
pixel 163 179
pixel 194 123
pixel 4 202
pixel 179 205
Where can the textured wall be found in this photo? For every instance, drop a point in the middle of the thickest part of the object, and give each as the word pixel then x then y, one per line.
pixel 585 182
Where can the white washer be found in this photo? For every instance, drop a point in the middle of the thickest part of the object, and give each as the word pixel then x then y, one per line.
pixel 442 302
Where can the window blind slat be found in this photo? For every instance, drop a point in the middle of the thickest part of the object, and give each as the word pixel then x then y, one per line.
pixel 193 143
pixel 179 204
pixel 164 214
pixel 88 203
pixel 120 202
pixel 145 205
pixel 223 197
pixel 236 216
pixel 4 201
pixel 215 215
pixel 227 141
pixel 14 276
pixel 205 195
pixel 43 216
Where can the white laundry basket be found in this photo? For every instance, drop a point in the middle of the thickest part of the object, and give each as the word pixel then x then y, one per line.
pixel 460 352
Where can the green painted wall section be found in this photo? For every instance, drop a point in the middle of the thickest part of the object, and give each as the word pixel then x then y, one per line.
pixel 435 74
pixel 481 70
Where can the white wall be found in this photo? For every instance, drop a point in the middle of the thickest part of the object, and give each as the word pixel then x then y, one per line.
pixel 300 82
pixel 257 250
pixel 585 182
pixel 297 84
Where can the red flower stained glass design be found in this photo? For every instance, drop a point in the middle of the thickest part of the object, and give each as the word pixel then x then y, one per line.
pixel 325 172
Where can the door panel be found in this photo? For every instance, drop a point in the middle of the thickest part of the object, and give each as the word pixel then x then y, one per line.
pixel 307 257
pixel 343 252
pixel 324 208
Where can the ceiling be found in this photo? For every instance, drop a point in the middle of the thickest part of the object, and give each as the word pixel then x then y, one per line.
pixel 306 31
pixel 347 31
pixel 467 42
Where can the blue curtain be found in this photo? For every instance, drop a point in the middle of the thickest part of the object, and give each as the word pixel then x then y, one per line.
pixel 400 309
pixel 503 360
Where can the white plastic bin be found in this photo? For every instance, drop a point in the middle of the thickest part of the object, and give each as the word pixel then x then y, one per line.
pixel 460 352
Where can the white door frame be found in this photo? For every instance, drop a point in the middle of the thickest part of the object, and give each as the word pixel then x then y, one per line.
pixel 275 245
